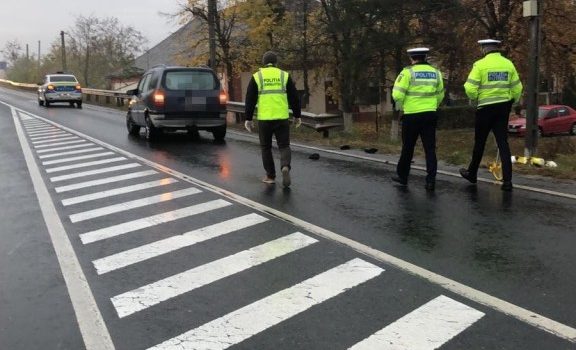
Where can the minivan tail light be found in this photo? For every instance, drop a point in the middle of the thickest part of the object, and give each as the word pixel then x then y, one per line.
pixel 223 97
pixel 159 98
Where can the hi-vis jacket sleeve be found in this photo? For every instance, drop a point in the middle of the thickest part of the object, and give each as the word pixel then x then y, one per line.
pixel 517 87
pixel 440 89
pixel 472 84
pixel 400 88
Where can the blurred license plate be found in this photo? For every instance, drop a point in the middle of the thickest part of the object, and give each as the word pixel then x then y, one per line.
pixel 512 130
pixel 194 101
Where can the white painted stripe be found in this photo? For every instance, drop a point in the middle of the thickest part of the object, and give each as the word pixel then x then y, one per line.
pixel 524 315
pixel 425 328
pixel 85 165
pixel 64 148
pixel 170 244
pixel 59 139
pixel 60 144
pixel 73 159
pixel 42 133
pixel 43 127
pixel 252 319
pixel 104 181
pixel 152 294
pixel 94 172
pixel 138 203
pixel 118 191
pixel 150 221
pixel 53 136
pixel 90 321
pixel 71 152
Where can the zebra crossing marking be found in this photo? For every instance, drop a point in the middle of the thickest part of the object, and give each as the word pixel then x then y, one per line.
pixel 64 148
pixel 85 165
pixel 118 191
pixel 73 159
pixel 426 328
pixel 60 154
pixel 184 282
pixel 94 172
pixel 126 227
pixel 60 144
pixel 61 138
pixel 104 181
pixel 254 318
pixel 53 136
pixel 170 244
pixel 137 203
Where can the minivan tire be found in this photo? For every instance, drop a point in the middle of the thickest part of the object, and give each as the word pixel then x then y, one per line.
pixel 133 129
pixel 219 133
pixel 152 132
pixel 573 129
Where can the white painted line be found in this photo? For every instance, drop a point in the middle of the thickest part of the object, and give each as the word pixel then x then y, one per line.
pixel 90 321
pixel 55 140
pixel 152 294
pixel 104 181
pixel 64 148
pixel 170 244
pixel 118 191
pixel 138 203
pixel 85 165
pixel 529 317
pixel 426 328
pixel 73 159
pixel 252 319
pixel 120 229
pixel 52 155
pixel 53 136
pixel 94 172
pixel 60 144
pixel 38 128
pixel 42 133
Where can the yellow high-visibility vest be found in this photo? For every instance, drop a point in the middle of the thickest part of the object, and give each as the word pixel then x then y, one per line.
pixel 272 97
pixel 418 88
pixel 493 79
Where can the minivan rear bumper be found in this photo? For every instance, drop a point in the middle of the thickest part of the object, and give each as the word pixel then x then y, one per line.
pixel 184 122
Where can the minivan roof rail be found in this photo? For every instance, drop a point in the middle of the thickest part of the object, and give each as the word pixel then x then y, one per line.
pixel 159 65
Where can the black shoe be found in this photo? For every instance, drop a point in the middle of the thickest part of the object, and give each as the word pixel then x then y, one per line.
pixel 430 186
pixel 466 174
pixel 507 186
pixel 399 180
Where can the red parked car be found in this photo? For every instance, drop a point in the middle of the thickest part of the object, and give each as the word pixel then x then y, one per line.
pixel 552 119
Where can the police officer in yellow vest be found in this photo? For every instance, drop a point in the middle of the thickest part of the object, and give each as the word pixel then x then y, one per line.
pixel 418 91
pixel 273 90
pixel 493 85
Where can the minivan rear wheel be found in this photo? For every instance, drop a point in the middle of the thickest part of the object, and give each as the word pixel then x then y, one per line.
pixel 152 132
pixel 573 129
pixel 133 129
pixel 219 133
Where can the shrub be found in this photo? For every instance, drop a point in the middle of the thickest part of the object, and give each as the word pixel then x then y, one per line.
pixel 456 117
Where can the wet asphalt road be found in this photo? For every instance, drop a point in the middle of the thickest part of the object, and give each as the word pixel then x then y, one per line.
pixel 518 247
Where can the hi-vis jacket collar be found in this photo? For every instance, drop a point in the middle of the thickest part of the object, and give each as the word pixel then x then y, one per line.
pixel 489 42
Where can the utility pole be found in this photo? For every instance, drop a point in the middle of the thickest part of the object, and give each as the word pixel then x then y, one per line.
pixel 63 51
pixel 531 10
pixel 211 32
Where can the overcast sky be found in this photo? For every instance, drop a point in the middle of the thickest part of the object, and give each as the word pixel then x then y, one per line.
pixel 31 20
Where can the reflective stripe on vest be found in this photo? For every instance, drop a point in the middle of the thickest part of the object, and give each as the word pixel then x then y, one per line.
pixel 272 97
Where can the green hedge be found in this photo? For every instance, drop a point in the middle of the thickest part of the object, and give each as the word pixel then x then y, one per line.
pixel 457 117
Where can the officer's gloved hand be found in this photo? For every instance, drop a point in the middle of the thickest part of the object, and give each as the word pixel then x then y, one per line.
pixel 297 122
pixel 249 125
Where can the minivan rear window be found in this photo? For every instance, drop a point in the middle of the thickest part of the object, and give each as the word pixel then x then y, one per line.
pixel 189 80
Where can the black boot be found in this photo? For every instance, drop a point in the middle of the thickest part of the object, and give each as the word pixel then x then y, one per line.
pixel 466 174
pixel 507 186
pixel 399 180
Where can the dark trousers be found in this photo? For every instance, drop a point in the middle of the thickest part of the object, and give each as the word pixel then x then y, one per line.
pixel 416 125
pixel 492 118
pixel 281 130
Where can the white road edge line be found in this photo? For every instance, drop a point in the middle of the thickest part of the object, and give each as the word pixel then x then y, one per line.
pixel 529 317
pixel 92 326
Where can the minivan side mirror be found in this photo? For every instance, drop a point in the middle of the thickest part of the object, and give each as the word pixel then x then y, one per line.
pixel 132 92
